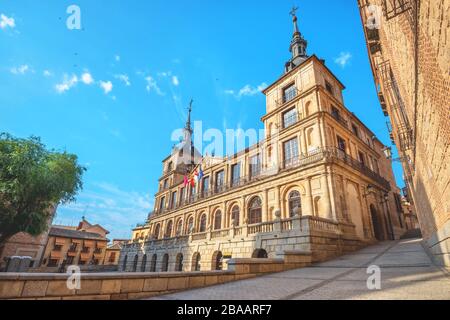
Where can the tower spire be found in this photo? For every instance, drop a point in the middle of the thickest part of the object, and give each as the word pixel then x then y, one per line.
pixel 298 44
pixel 188 121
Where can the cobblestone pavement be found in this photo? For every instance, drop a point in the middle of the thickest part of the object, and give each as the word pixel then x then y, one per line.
pixel 406 273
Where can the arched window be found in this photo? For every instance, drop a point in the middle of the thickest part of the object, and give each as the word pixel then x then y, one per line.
pixel 165 263
pixel 202 227
pixel 135 262
pixel 179 227
pixel 144 263
pixel 169 229
pixel 254 211
pixel 217 260
pixel 235 215
pixel 153 263
pixel 124 263
pixel 218 220
pixel 179 262
pixel 196 262
pixel 294 201
pixel 156 232
pixel 190 225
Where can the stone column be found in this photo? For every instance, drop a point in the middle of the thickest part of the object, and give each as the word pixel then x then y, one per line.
pixel 309 201
pixel 332 195
pixel 222 223
pixel 265 212
pixel 304 145
pixel 326 196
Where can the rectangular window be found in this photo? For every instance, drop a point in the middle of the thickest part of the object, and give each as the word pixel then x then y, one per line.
pixel 289 118
pixel 329 87
pixel 162 204
pixel 166 184
pixel 173 202
pixel 220 176
pixel 205 185
pixel 290 151
pixel 335 112
pixel 355 130
pixel 341 143
pixel 235 173
pixel 289 93
pixel 255 166
pixel 112 257
pixel 181 195
pixel 361 157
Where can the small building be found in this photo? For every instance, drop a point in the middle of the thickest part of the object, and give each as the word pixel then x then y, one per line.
pixel 82 245
pixel 113 251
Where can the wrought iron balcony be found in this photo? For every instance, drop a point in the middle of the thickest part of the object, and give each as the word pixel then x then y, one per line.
pixel 320 154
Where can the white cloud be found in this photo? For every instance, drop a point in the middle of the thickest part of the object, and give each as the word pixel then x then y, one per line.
pixel 87 78
pixel 107 86
pixel 343 59
pixel 175 81
pixel 124 78
pixel 47 73
pixel 67 83
pixel 6 22
pixel 20 70
pixel 247 90
pixel 117 57
pixel 153 86
pixel 113 208
pixel 164 74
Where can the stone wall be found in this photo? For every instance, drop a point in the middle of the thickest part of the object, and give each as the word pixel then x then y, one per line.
pixel 119 286
pixel 415 44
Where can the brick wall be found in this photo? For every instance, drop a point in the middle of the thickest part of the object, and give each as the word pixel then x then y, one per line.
pixel 416 43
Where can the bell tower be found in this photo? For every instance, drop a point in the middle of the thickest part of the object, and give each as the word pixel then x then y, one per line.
pixel 298 45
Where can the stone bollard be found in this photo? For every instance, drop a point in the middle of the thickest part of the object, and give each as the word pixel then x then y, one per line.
pixel 13 264
pixel 24 265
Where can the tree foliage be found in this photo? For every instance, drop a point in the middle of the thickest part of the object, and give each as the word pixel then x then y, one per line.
pixel 33 181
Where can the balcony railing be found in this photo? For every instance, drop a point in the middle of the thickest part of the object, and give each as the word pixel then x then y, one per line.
pixel 305 224
pixel 314 156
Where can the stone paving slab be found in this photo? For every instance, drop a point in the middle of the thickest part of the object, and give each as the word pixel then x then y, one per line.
pixel 406 273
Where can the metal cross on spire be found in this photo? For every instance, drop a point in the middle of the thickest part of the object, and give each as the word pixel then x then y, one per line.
pixel 293 11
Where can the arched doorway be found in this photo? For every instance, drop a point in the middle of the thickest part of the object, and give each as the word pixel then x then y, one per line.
pixel 165 263
pixel 216 263
pixel 376 223
pixel 260 253
pixel 255 211
pixel 153 263
pixel 143 263
pixel 179 262
pixel 196 262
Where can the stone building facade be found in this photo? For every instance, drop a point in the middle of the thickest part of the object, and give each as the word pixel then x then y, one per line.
pixel 317 183
pixel 84 244
pixel 409 51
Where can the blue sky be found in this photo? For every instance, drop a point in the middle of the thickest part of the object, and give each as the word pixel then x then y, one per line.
pixel 114 91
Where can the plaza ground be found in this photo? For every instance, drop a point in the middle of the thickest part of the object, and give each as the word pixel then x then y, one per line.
pixel 406 273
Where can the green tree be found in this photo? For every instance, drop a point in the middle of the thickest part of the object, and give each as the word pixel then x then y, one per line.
pixel 33 181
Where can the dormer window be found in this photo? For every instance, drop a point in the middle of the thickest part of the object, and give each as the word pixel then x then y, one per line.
pixel 169 166
pixel 355 130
